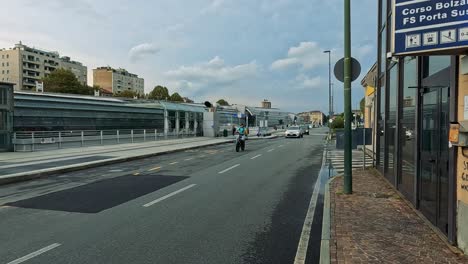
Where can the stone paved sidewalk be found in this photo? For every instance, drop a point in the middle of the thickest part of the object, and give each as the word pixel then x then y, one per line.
pixel 374 225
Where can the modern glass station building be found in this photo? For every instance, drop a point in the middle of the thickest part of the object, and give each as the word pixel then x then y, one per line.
pixel 417 99
pixel 6 115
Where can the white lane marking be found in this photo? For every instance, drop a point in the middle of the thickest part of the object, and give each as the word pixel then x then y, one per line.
pixel 228 169
pixel 280 146
pixel 155 168
pixel 173 163
pixel 301 252
pixel 202 156
pixel 188 159
pixel 259 155
pixel 169 195
pixel 34 254
pixel 271 150
pixel 117 170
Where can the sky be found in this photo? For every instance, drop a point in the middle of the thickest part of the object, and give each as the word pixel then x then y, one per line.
pixel 244 51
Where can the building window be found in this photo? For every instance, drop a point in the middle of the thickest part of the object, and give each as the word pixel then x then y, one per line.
pixel 383 8
pixel 8 56
pixel 8 71
pixel 381 123
pixel 7 64
pixel 391 121
pixel 408 126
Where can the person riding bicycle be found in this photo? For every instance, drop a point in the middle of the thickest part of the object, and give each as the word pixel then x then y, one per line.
pixel 242 130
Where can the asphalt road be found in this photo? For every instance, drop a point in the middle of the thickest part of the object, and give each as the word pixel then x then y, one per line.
pixel 210 205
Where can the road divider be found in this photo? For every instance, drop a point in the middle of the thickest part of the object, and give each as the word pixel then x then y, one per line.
pixel 228 169
pixel 169 195
pixel 34 254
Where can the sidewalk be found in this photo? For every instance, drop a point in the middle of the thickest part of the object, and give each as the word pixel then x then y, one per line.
pixel 374 225
pixel 21 166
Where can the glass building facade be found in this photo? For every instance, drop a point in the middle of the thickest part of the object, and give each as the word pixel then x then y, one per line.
pixel 414 111
pixel 6 115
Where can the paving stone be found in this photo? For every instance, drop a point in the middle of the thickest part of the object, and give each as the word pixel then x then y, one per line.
pixel 374 225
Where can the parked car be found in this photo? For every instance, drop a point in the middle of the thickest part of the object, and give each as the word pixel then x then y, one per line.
pixel 294 131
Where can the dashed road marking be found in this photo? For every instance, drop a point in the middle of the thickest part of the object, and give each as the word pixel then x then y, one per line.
pixel 169 195
pixel 271 150
pixel 280 146
pixel 188 159
pixel 34 254
pixel 155 168
pixel 136 174
pixel 228 169
pixel 173 163
pixel 259 155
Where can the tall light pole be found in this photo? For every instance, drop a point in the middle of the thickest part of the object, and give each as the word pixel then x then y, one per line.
pixel 348 174
pixel 329 91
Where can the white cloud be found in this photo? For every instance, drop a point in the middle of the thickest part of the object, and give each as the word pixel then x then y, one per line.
pixel 307 55
pixel 214 72
pixel 214 6
pixel 309 82
pixel 140 51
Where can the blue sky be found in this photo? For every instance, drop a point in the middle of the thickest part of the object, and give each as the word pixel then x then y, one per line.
pixel 241 50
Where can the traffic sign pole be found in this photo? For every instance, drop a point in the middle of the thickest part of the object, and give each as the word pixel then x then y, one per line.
pixel 348 182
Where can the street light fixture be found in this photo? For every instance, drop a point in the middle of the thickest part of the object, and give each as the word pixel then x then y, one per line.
pixel 329 90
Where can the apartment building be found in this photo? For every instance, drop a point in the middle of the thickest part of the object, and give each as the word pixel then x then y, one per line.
pixel 24 66
pixel 118 80
pixel 313 117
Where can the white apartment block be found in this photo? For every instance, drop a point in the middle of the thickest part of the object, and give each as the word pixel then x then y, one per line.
pixel 118 80
pixel 23 66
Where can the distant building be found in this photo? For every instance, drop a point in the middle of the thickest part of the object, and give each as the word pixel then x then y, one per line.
pixel 23 66
pixel 118 80
pixel 266 104
pixel 313 117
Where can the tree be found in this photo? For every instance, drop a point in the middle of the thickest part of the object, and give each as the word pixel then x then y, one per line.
pixel 126 94
pixel 222 102
pixel 175 97
pixel 337 123
pixel 64 81
pixel 159 93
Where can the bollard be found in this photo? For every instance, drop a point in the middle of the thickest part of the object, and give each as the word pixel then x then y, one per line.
pixel 14 142
pixel 82 138
pixel 144 135
pixel 118 137
pixel 102 137
pixel 131 133
pixel 155 135
pixel 60 140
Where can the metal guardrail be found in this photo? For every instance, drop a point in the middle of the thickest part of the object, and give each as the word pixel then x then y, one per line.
pixel 46 140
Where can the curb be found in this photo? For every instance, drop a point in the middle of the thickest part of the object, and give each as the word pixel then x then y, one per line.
pixel 26 176
pixel 326 225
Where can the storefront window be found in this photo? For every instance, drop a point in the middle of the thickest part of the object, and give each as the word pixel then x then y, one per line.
pixel 384 11
pixel 391 122
pixel 383 50
pixel 381 122
pixel 408 127
pixel 435 64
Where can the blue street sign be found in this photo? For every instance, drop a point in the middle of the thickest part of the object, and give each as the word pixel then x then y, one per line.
pixel 422 26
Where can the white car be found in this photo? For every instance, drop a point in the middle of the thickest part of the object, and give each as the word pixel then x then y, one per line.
pixel 294 131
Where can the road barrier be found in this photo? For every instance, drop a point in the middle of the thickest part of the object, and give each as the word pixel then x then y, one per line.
pixel 46 140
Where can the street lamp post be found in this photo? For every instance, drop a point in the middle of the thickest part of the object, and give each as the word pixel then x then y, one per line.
pixel 329 91
pixel 348 182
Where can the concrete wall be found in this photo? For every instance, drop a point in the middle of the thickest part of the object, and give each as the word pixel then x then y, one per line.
pixel 103 78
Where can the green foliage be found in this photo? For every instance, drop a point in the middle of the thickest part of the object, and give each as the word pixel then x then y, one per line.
pixel 337 123
pixel 175 97
pixel 64 81
pixel 159 93
pixel 126 94
pixel 222 102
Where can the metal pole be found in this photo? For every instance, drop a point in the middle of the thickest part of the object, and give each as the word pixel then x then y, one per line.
pixel 102 137
pixel 118 137
pixel 82 138
pixel 348 182
pixel 144 135
pixel 131 132
pixel 155 135
pixel 14 142
pixel 60 140
pixel 329 93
